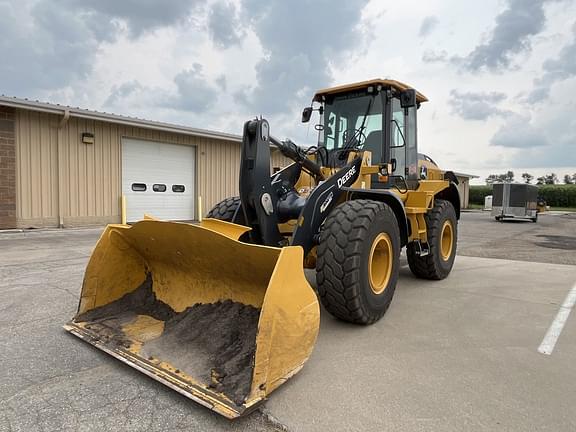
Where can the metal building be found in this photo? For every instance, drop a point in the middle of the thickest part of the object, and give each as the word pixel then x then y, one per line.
pixel 64 166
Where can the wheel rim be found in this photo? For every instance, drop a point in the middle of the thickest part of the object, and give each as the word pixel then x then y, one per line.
pixel 380 263
pixel 446 240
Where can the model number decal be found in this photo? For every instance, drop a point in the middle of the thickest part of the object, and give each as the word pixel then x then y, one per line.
pixel 342 180
pixel 326 203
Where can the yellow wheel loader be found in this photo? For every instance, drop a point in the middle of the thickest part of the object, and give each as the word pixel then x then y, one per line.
pixel 221 311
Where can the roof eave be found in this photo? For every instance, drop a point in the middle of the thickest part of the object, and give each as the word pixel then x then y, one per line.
pixel 113 118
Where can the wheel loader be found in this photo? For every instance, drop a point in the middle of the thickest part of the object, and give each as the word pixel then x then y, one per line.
pixel 221 311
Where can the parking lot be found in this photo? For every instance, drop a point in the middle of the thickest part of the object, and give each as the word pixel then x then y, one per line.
pixel 453 355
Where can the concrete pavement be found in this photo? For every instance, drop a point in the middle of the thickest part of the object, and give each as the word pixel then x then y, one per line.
pixel 458 354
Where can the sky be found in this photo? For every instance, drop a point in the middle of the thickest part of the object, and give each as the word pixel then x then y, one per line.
pixel 500 74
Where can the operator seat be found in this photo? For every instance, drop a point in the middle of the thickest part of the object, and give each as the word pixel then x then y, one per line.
pixel 373 144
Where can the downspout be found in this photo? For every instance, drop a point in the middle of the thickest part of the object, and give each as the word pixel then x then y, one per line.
pixel 60 164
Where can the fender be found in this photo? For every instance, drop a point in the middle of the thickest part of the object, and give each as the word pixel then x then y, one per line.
pixel 392 200
pixel 451 194
pixel 321 202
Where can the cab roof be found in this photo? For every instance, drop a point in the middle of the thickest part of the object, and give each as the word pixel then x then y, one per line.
pixel 362 84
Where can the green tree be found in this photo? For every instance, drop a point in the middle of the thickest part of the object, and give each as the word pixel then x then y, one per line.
pixel 527 177
pixel 492 178
pixel 568 179
pixel 541 180
pixel 551 178
pixel 507 177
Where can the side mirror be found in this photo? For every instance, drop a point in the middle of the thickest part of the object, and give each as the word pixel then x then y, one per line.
pixel 306 114
pixel 408 98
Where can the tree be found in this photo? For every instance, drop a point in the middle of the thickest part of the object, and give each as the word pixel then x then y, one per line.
pixel 492 178
pixel 550 178
pixel 508 177
pixel 541 180
pixel 568 179
pixel 574 177
pixel 527 177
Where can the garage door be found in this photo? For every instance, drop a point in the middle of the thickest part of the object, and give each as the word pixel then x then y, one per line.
pixel 158 179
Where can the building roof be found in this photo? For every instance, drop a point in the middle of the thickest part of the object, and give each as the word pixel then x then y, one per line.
pixel 377 81
pixel 68 111
pixel 459 174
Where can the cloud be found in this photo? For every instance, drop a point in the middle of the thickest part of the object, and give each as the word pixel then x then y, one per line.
pixel 546 143
pixel 511 36
pixel 301 39
pixel 139 15
pixel 53 43
pixel 120 93
pixel 427 26
pixel 224 26
pixel 430 56
pixel 42 47
pixel 477 106
pixel 518 132
pixel 560 68
pixel 195 94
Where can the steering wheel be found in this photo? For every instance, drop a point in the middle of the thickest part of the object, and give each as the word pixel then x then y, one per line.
pixel 353 137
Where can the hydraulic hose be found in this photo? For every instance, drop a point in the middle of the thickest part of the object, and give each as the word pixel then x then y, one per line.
pixel 292 151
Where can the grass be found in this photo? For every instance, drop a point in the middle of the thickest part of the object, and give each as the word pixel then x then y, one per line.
pixel 475 206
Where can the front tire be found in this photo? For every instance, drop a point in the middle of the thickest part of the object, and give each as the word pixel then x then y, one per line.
pixel 225 209
pixel 358 261
pixel 442 232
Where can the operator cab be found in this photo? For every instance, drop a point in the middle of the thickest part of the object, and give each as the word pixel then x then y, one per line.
pixel 378 116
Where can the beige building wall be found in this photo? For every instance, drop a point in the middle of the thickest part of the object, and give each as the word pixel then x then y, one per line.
pixel 464 191
pixel 61 180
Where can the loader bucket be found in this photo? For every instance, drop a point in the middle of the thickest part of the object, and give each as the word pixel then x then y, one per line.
pixel 220 321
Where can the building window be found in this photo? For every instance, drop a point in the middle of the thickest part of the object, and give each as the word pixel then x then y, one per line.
pixel 159 188
pixel 138 187
pixel 178 188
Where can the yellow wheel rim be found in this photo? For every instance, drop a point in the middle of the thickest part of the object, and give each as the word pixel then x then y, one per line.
pixel 446 240
pixel 380 263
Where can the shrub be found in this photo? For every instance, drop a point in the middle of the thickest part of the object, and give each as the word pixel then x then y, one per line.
pixel 555 195
pixel 558 195
pixel 477 194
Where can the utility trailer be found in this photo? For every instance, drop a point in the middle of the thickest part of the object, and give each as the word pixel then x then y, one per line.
pixel 514 200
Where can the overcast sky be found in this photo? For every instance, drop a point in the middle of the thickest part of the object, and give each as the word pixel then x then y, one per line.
pixel 500 74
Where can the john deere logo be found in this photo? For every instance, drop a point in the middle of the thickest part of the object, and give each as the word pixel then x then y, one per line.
pixel 423 172
pixel 342 180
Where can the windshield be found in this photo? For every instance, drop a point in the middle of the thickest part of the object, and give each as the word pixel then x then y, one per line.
pixel 352 120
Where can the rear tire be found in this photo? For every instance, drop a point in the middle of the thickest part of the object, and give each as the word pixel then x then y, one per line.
pixel 358 261
pixel 225 209
pixel 438 263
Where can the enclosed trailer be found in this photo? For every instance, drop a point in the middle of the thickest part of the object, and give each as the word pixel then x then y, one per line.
pixel 514 200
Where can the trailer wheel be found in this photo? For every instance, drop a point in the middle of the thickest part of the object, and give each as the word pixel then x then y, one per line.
pixel 442 232
pixel 225 209
pixel 358 261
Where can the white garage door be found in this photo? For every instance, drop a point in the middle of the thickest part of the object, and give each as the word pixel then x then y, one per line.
pixel 158 179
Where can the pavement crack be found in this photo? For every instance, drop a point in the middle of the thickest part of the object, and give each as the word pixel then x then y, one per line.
pixel 271 420
pixel 48 381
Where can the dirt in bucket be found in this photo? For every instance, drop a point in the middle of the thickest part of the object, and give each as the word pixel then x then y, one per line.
pixel 214 343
